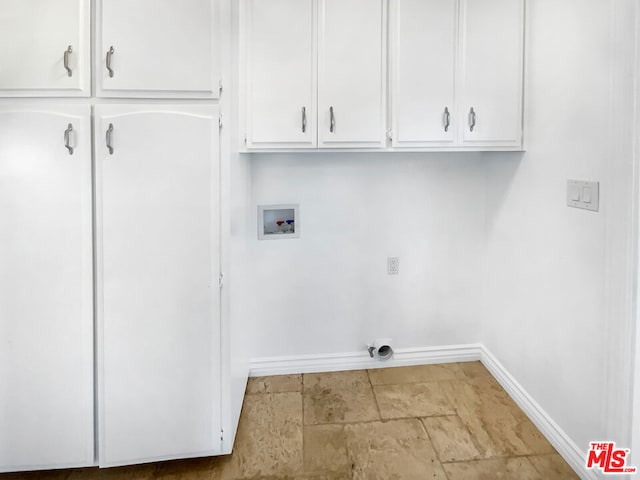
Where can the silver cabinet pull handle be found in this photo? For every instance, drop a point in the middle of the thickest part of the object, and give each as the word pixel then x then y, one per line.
pixel 67 139
pixel 110 53
pixel 447 119
pixel 472 119
pixel 109 139
pixel 68 52
pixel 304 119
pixel 332 120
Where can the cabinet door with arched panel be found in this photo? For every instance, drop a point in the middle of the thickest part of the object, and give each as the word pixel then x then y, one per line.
pixel 158 297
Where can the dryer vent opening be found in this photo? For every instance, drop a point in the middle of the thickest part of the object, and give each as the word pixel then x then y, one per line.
pixel 381 349
pixel 385 352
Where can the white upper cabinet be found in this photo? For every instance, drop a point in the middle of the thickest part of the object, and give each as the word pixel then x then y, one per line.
pixel 424 44
pixel 491 72
pixel 457 73
pixel 352 73
pixel 315 73
pixel 456 79
pixel 158 299
pixel 157 48
pixel 281 73
pixel 46 288
pixel 45 48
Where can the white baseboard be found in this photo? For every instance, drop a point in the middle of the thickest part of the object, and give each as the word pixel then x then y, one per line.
pixel 334 362
pixel 430 355
pixel 566 447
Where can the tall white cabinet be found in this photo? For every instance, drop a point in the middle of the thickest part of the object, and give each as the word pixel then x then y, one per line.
pixel 158 262
pixel 113 345
pixel 46 293
pixel 46 48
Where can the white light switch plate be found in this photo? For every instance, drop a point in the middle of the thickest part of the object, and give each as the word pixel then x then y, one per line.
pixel 585 195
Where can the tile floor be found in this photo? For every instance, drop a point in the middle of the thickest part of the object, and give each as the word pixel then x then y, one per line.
pixel 450 422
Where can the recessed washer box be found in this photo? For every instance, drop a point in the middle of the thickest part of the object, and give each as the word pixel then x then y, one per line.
pixel 278 222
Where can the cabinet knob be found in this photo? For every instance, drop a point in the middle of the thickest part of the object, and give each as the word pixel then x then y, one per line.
pixel 68 52
pixel 332 120
pixel 304 119
pixel 447 119
pixel 109 139
pixel 110 53
pixel 472 119
pixel 67 138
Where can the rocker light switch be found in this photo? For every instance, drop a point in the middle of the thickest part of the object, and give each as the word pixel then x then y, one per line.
pixel 574 193
pixel 582 194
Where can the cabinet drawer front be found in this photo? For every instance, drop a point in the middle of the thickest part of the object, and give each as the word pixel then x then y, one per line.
pixel 158 259
pixel 352 72
pixel 424 42
pixel 35 34
pixel 160 48
pixel 492 72
pixel 281 73
pixel 46 285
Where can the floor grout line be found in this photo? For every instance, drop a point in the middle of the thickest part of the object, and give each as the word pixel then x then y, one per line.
pixel 502 457
pixel 426 431
pixel 383 420
pixel 375 397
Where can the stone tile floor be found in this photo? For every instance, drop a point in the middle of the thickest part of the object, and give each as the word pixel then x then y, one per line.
pixel 450 422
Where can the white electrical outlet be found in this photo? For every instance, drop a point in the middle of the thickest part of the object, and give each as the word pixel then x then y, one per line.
pixel 393 265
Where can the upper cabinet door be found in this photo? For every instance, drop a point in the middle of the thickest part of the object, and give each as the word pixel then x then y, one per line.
pixel 423 51
pixel 281 73
pixel 157 48
pixel 45 48
pixel 352 73
pixel 46 288
pixel 492 45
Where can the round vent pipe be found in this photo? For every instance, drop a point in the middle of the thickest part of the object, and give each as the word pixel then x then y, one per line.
pixel 381 349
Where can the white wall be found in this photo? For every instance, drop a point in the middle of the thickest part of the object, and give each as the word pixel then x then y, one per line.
pixel 328 291
pixel 488 249
pixel 556 276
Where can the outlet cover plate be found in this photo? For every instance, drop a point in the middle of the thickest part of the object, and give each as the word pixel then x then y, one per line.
pixel 393 265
